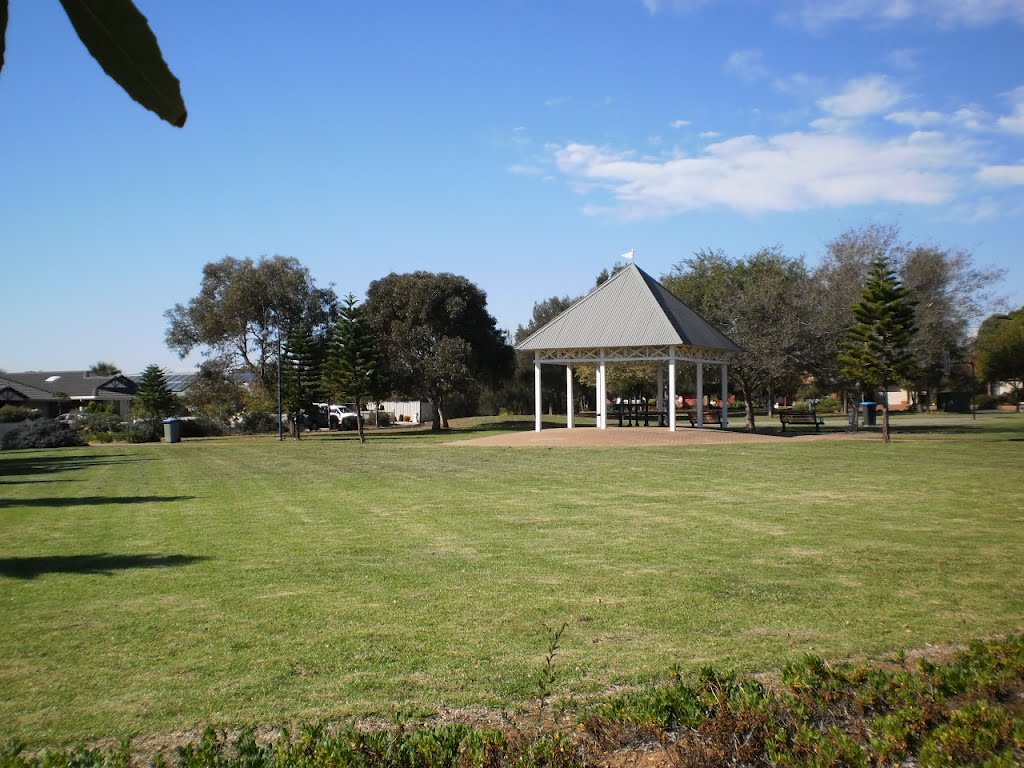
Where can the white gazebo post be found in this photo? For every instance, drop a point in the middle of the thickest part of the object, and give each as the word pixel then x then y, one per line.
pixel 569 415
pixel 725 396
pixel 659 400
pixel 671 389
pixel 602 394
pixel 536 390
pixel 700 394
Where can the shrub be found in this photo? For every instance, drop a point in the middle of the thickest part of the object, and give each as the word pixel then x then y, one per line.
pixel 829 405
pixel 102 421
pixel 144 432
pixel 202 426
pixel 13 413
pixel 985 402
pixel 973 734
pixel 40 433
pixel 258 423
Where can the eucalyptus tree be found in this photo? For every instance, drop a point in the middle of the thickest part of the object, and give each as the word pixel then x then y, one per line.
pixel 1000 351
pixel 244 308
pixel 762 302
pixel 435 337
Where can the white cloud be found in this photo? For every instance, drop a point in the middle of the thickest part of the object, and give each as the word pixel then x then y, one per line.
pixel 1002 175
pixel 946 13
pixel 903 58
pixel 862 97
pixel 679 123
pixel 786 172
pixel 916 118
pixel 832 124
pixel 747 64
pixel 972 117
pixel 709 134
pixel 556 101
pixel 1014 122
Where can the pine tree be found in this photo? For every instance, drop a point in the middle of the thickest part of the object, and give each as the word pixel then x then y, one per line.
pixel 154 400
pixel 877 348
pixel 301 375
pixel 351 364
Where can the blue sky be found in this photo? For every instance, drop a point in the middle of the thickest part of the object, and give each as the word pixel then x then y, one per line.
pixel 522 143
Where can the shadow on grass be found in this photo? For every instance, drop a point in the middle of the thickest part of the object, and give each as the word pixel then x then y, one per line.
pixel 41 465
pixel 83 501
pixel 101 564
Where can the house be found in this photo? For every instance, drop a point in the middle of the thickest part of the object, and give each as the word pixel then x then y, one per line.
pixel 55 392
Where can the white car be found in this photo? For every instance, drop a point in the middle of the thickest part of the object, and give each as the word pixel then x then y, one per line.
pixel 340 416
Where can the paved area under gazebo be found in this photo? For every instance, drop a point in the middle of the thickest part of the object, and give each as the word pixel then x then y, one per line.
pixel 652 437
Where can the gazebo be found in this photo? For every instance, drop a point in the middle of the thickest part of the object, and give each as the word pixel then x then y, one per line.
pixel 630 318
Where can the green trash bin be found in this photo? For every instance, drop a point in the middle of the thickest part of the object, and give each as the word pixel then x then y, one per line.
pixel 172 430
pixel 870 412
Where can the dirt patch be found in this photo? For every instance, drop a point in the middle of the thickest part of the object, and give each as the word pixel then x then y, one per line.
pixel 591 437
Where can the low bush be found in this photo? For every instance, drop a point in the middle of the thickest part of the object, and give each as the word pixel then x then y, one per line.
pixel 10 414
pixel 98 422
pixel 144 432
pixel 985 402
pixel 963 712
pixel 257 423
pixel 202 426
pixel 41 433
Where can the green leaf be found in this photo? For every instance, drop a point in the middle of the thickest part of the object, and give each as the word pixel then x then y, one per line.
pixel 3 29
pixel 119 38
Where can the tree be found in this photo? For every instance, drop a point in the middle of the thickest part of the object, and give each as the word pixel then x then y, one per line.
pixel 950 294
pixel 103 368
pixel 350 372
pixel 435 337
pixel 1000 351
pixel 518 394
pixel 877 349
pixel 213 394
pixel 763 303
pixel 837 285
pixel 243 307
pixel 154 400
pixel 301 376
pixel 118 37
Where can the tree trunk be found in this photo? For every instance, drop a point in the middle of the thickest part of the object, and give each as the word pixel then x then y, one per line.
pixel 885 413
pixel 359 420
pixel 748 401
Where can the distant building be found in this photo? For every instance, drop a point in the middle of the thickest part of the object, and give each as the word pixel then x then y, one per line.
pixel 56 392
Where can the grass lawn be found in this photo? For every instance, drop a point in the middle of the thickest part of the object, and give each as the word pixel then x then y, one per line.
pixel 238 580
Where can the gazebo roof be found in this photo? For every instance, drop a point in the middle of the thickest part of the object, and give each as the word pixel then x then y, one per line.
pixel 631 309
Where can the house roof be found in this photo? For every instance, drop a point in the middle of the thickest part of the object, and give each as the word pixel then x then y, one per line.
pixel 12 390
pixel 631 309
pixel 77 385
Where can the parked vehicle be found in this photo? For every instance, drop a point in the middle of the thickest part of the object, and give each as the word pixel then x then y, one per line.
pixel 71 417
pixel 339 415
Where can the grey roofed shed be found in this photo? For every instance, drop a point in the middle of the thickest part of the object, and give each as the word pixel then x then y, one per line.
pixel 629 318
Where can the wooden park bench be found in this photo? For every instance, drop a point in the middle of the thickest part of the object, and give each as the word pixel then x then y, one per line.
pixel 710 417
pixel 801 418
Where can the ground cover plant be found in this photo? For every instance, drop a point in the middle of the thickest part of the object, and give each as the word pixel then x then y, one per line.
pixel 962 711
pixel 240 580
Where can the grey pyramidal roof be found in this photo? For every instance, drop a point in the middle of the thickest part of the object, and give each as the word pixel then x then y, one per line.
pixel 631 309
